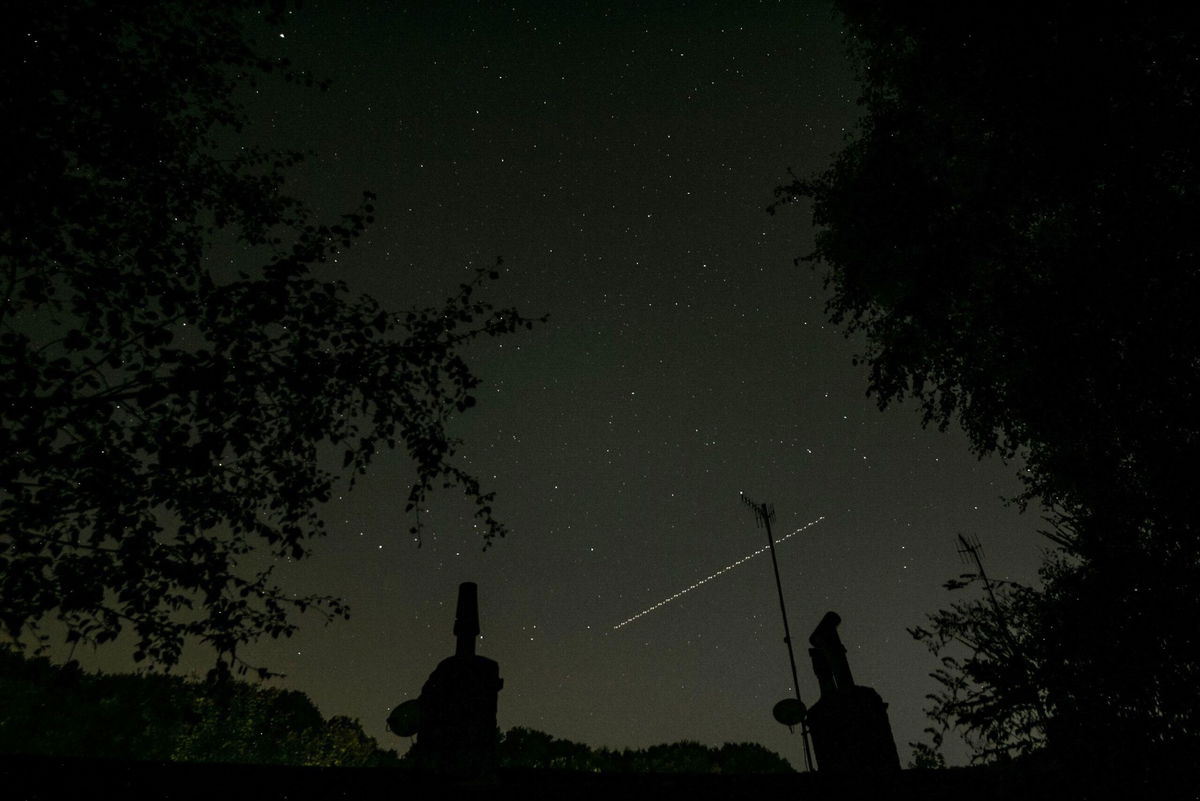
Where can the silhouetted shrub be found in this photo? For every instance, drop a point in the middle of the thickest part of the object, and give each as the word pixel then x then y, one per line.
pixel 62 711
pixel 521 747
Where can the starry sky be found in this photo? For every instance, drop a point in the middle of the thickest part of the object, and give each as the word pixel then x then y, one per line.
pixel 620 158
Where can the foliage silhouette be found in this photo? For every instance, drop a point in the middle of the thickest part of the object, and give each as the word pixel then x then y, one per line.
pixel 1013 232
pixel 992 694
pixel 61 711
pixel 166 414
pixel 521 747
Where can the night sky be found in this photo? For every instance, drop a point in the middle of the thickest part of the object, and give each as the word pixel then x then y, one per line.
pixel 620 160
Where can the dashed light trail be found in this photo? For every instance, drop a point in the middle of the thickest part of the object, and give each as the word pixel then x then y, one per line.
pixel 707 579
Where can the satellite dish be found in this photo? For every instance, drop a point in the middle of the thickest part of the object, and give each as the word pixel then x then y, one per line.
pixel 790 711
pixel 405 719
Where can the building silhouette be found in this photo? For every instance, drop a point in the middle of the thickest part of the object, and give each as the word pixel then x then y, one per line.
pixel 456 728
pixel 849 723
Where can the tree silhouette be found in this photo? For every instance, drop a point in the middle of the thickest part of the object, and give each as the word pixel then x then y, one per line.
pixel 166 412
pixel 991 694
pixel 521 747
pixel 1013 230
pixel 63 711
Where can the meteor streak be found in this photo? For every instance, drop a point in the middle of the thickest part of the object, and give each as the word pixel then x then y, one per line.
pixel 707 579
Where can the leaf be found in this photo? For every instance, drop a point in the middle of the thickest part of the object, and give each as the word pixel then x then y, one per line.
pixel 76 340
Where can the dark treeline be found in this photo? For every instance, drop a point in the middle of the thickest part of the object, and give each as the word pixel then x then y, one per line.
pixel 60 710
pixel 54 710
pixel 520 747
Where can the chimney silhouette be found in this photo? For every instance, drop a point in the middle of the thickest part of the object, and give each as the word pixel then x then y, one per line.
pixel 851 733
pixel 828 644
pixel 456 729
pixel 466 618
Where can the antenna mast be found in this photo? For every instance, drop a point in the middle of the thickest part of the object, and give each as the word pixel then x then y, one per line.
pixel 970 549
pixel 763 515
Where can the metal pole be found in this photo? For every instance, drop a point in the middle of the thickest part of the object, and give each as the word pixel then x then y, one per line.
pixel 972 548
pixel 766 515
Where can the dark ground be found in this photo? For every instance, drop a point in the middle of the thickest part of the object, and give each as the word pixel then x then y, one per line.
pixel 25 778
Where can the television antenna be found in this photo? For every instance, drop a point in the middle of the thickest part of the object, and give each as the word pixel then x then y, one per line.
pixel 764 514
pixel 971 551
